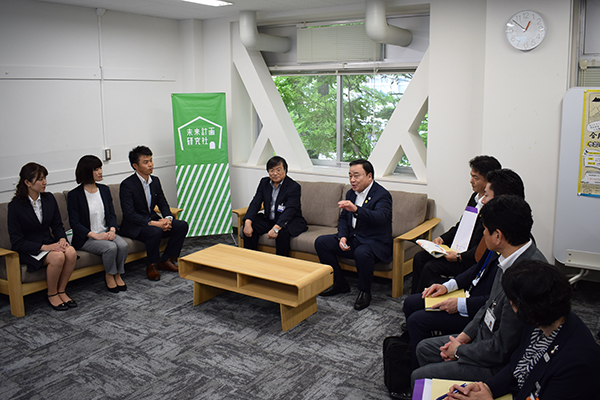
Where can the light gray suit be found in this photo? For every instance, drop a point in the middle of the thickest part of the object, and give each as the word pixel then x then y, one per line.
pixel 489 350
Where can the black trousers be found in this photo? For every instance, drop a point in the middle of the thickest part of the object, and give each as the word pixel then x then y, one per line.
pixel 428 270
pixel 152 235
pixel 328 250
pixel 261 225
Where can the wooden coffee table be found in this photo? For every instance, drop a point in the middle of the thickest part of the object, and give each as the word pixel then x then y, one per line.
pixel 292 283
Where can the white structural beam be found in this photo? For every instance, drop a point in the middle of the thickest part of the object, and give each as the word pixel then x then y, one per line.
pixel 401 135
pixel 278 133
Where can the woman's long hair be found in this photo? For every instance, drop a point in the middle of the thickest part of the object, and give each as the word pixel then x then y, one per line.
pixel 29 172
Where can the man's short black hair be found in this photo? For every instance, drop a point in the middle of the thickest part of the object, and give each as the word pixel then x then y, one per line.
pixel 505 181
pixel 367 166
pixel 84 173
pixel 484 164
pixel 541 293
pixel 134 154
pixel 511 215
pixel 275 161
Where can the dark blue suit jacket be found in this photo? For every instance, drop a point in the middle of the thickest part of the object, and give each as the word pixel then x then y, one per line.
pixel 79 213
pixel 27 234
pixel 136 214
pixel 571 371
pixel 481 292
pixel 373 222
pixel 288 210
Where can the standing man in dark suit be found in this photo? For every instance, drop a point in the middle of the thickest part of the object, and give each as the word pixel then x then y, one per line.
pixel 139 194
pixel 364 233
pixel 283 218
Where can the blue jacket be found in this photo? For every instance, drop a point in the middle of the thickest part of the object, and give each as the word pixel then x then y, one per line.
pixel 288 209
pixel 136 213
pixel 373 222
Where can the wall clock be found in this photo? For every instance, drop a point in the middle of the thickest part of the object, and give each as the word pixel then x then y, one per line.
pixel 525 30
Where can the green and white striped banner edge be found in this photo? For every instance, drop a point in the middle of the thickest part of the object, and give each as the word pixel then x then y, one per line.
pixel 204 194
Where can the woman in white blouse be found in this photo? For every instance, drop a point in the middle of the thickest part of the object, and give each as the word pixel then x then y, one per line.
pixel 94 222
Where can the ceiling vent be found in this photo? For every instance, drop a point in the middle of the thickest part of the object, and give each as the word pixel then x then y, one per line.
pixel 336 44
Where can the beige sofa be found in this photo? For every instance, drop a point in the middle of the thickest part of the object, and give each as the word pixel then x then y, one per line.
pixel 412 219
pixel 16 281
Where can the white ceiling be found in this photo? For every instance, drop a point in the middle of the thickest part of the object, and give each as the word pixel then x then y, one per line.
pixel 178 9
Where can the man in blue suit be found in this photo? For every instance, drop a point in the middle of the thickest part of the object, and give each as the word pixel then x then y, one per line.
pixel 364 233
pixel 282 219
pixel 139 194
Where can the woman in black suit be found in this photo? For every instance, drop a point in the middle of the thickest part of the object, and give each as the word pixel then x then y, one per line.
pixel 558 356
pixel 94 222
pixel 37 234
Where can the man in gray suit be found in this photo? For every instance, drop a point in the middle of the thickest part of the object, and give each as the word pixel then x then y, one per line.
pixel 484 347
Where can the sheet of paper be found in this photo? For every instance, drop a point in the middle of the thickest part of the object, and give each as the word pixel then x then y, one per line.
pixel 431 301
pixel 465 230
pixel 40 255
pixel 440 387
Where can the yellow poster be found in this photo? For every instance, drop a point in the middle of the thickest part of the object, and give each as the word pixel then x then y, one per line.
pixel 589 165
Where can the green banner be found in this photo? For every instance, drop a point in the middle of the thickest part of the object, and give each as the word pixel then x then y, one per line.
pixel 202 164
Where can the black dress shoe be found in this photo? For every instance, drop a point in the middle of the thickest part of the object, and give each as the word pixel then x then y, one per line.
pixel 111 289
pixel 336 289
pixel 60 307
pixel 402 395
pixel 122 287
pixel 403 327
pixel 70 303
pixel 362 301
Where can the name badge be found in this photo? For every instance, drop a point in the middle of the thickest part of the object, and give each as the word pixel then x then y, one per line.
pixel 490 319
pixel 280 208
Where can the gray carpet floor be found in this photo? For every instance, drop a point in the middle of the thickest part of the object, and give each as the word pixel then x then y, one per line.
pixel 150 342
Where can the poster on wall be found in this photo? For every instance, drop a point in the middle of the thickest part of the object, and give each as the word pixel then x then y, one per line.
pixel 589 165
pixel 202 162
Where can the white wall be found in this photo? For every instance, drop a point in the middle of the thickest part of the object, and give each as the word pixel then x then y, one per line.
pixel 485 97
pixel 54 108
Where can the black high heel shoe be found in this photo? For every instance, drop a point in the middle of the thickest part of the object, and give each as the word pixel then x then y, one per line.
pixel 70 303
pixel 111 289
pixel 60 307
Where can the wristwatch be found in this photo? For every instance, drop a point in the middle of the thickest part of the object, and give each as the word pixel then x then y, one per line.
pixel 456 353
pixel 276 230
pixel 458 257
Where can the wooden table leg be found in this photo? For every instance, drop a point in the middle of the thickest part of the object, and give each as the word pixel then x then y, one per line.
pixel 204 292
pixel 291 316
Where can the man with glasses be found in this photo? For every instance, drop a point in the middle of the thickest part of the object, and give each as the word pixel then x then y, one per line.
pixel 282 219
pixel 364 233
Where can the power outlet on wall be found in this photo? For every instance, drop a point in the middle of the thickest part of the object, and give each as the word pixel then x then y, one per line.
pixel 107 155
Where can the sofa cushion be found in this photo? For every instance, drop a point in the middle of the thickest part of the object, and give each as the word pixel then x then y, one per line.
pixel 61 201
pixel 408 211
pixel 319 202
pixel 305 242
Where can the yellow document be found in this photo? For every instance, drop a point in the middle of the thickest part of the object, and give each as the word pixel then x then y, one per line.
pixel 440 387
pixel 431 301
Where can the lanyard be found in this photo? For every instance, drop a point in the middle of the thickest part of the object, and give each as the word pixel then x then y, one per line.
pixel 475 281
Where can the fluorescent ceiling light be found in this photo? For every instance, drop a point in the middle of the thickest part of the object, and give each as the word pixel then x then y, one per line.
pixel 212 3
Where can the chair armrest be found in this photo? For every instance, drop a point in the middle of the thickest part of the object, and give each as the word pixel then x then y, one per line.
pixel 174 210
pixel 5 252
pixel 240 212
pixel 425 227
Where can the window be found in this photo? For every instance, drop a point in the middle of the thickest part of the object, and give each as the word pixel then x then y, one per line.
pixel 340 117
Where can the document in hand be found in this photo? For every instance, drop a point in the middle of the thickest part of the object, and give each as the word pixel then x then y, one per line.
pixel 433 389
pixel 431 301
pixel 465 230
pixel 435 250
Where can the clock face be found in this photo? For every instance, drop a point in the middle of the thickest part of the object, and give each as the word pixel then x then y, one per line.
pixel 525 30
